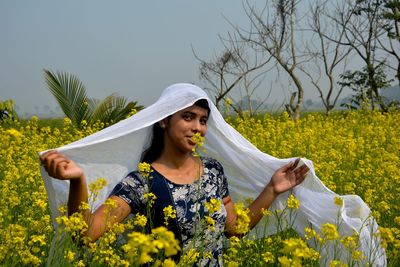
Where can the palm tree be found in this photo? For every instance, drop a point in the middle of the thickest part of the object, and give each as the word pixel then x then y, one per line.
pixel 70 94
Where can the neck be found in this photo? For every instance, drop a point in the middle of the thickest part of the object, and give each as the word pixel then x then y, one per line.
pixel 174 157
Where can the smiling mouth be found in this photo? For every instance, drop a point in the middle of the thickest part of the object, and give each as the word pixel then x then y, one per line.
pixel 191 142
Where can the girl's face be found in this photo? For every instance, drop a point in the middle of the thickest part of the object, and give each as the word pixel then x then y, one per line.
pixel 183 125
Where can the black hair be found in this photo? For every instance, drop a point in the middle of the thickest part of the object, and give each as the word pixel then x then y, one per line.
pixel 157 141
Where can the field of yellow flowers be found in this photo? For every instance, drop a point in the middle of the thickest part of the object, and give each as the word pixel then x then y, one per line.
pixel 353 153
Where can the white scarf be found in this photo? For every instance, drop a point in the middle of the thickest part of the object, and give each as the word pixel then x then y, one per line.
pixel 115 151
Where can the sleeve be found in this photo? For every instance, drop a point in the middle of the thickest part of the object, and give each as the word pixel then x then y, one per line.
pixel 224 190
pixel 132 189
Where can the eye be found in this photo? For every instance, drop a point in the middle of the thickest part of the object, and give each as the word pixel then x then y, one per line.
pixel 187 116
pixel 203 121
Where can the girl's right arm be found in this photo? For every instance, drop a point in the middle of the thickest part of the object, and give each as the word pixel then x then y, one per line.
pixel 60 167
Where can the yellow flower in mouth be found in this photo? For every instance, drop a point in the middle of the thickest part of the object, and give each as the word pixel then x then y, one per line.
pixel 198 139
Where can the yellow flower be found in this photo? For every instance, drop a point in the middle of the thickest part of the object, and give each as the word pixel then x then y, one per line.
pixel 69 256
pixel 41 239
pixel 67 121
pixel 309 233
pixel 97 185
pixel 338 201
pixel 231 263
pixel 213 205
pixel 139 247
pixel 397 220
pixel 293 202
pixel 268 257
pixel 169 213
pixel 198 139
pixel 210 222
pixel 234 241
pixel 356 255
pixel 140 220
pixel 110 204
pixel 84 206
pixel 168 263
pixel 79 263
pixel 189 257
pixel 164 239
pixel 349 242
pixel 15 133
pixel 285 261
pixel 329 231
pixel 242 219
pixel 150 198
pixel 336 263
pixel 144 169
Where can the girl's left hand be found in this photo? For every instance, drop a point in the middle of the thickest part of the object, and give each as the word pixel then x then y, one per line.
pixel 287 177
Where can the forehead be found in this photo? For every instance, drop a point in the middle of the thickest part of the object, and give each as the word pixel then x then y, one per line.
pixel 195 109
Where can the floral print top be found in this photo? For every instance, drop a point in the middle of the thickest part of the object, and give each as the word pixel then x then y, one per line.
pixel 199 228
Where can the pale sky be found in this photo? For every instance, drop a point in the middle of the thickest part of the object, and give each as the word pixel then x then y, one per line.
pixel 133 48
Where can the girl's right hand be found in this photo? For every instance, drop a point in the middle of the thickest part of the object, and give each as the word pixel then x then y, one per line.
pixel 60 167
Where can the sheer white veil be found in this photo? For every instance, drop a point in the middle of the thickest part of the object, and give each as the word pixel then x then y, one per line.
pixel 115 151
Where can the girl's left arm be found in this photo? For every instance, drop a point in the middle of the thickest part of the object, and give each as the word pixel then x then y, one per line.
pixel 284 179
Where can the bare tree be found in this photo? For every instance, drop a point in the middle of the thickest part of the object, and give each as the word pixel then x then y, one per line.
pixel 235 71
pixel 363 28
pixel 327 56
pixel 274 31
pixel 391 25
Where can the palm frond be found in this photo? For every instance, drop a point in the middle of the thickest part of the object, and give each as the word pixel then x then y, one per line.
pixel 70 93
pixel 104 109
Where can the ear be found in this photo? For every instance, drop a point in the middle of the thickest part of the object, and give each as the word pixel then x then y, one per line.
pixel 163 123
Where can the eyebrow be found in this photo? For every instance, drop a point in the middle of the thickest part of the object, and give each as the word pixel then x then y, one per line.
pixel 193 113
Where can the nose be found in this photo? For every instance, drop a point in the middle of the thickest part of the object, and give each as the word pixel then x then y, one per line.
pixel 196 126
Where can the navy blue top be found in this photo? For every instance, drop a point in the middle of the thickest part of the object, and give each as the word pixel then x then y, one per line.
pixel 190 225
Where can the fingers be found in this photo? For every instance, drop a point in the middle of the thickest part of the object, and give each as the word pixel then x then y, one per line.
pixel 54 163
pixel 301 173
pixel 291 165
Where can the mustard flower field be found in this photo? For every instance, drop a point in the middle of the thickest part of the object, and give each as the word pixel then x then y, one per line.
pixel 353 153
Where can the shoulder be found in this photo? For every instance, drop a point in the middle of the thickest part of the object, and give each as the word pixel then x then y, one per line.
pixel 210 160
pixel 134 177
pixel 211 163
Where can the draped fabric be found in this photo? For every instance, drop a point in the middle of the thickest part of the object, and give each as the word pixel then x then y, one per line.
pixel 115 151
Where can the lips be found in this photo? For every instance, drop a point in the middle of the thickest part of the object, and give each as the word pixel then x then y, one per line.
pixel 191 142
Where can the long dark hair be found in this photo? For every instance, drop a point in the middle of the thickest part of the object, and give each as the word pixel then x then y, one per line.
pixel 157 142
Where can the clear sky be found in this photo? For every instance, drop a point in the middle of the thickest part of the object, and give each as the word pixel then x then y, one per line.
pixel 134 48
